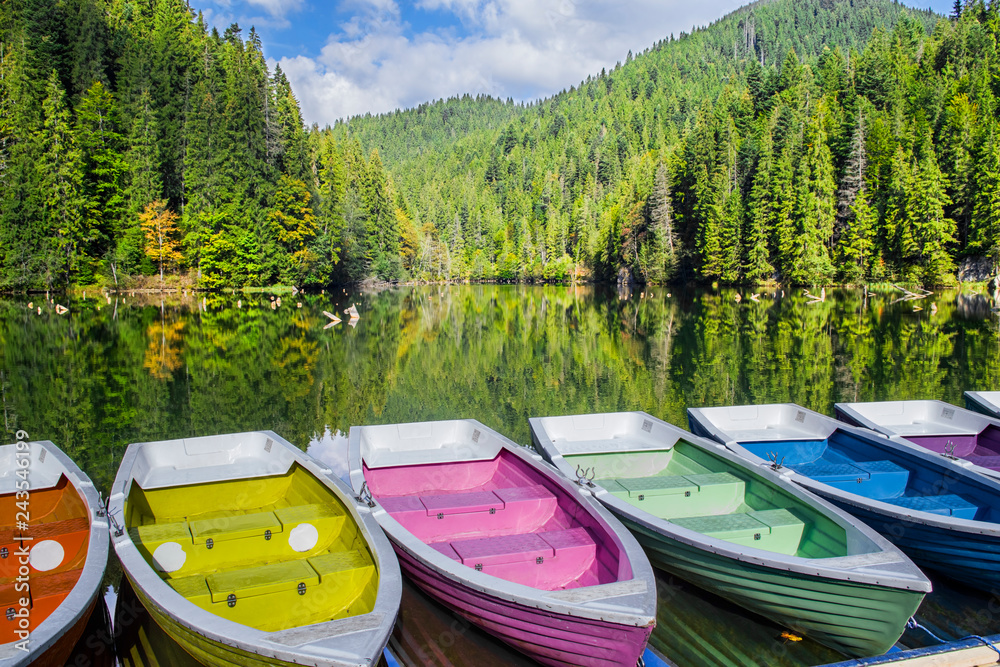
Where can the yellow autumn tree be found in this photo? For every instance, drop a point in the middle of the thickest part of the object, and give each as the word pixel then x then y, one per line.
pixel 159 224
pixel 295 227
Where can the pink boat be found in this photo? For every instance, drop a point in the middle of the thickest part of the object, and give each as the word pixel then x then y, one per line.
pixel 498 536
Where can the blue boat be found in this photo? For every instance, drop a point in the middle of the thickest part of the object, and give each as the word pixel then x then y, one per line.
pixel 943 516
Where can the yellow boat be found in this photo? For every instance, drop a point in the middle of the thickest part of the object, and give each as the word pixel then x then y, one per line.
pixel 247 552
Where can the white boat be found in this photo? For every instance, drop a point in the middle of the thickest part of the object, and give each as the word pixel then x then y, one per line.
pixel 246 551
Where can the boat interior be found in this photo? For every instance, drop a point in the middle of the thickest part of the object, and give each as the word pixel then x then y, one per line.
pixel 57 534
pixel 270 552
pixel 936 426
pixel 501 516
pixel 858 465
pixel 695 489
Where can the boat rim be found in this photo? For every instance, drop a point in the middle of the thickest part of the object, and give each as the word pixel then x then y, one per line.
pixel 229 633
pixel 911 579
pixel 599 602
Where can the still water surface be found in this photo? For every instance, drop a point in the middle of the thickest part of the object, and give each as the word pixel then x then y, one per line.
pixel 132 368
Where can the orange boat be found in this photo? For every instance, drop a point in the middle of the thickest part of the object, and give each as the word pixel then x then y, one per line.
pixel 53 552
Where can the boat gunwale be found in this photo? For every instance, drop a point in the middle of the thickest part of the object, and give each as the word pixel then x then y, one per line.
pixel 640 614
pixel 978 397
pixel 906 449
pixel 78 601
pixel 813 567
pixel 888 431
pixel 230 633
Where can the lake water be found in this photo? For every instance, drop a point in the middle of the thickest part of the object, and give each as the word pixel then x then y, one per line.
pixel 115 370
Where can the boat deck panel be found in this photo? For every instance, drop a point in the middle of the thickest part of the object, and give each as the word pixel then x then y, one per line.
pixel 462 503
pixel 675 496
pixel 944 505
pixel 775 530
pixel 235 527
pixel 261 580
pixel 991 462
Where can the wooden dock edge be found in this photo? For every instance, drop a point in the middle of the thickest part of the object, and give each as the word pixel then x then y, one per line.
pixel 965 653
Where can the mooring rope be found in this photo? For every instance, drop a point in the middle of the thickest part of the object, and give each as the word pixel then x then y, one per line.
pixel 913 623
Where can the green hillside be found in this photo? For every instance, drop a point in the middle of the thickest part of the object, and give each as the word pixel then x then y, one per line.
pixel 808 141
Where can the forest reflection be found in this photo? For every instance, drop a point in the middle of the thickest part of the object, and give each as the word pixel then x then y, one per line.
pixel 114 371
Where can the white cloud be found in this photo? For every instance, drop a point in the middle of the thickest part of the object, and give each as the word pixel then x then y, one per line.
pixel 331 449
pixel 512 48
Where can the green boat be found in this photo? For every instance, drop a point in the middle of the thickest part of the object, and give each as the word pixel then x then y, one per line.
pixel 745 533
pixel 245 551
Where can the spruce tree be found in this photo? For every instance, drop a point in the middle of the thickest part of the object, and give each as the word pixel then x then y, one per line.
pixel 101 141
pixel 984 236
pixel 59 179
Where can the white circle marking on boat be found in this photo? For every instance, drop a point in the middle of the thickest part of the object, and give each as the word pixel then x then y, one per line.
pixel 303 537
pixel 169 557
pixel 46 555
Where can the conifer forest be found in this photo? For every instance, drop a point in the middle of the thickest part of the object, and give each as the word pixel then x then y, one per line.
pixel 807 142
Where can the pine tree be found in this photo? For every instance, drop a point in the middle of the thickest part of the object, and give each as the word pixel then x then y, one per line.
pixel 664 241
pixel 382 246
pixel 760 217
pixel 936 231
pixel 814 205
pixel 856 247
pixel 100 139
pixel 984 234
pixel 59 177
pixel 958 141
pixel 853 182
pixel 291 145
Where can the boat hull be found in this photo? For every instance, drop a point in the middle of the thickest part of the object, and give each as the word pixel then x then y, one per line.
pixel 59 654
pixel 549 638
pixel 855 619
pixel 969 557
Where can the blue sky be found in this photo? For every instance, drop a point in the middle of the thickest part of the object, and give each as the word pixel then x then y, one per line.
pixel 349 57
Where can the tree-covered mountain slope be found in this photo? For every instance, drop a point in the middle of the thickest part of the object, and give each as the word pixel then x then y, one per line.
pixel 808 140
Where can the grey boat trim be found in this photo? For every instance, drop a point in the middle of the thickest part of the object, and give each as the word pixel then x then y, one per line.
pixel 47 463
pixel 872 559
pixel 244 456
pixel 988 402
pixel 816 425
pixel 633 604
